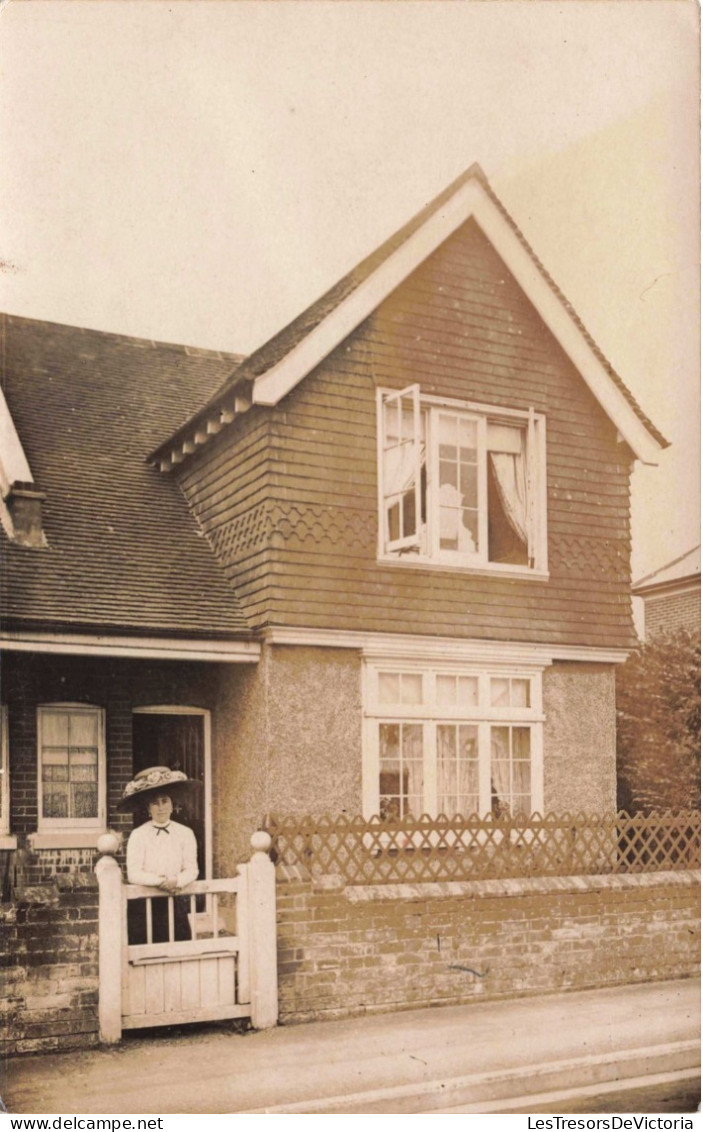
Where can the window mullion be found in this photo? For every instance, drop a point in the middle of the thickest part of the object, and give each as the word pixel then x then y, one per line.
pixel 432 470
pixel 484 767
pixel 430 765
pixel 536 769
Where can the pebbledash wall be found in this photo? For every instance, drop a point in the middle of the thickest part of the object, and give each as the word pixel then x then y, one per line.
pixel 295 724
pixel 352 950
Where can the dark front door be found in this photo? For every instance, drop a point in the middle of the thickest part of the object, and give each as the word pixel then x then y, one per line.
pixel 163 738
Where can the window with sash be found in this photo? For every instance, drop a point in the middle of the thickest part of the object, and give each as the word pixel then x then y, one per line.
pixel 441 740
pixel 71 757
pixel 461 484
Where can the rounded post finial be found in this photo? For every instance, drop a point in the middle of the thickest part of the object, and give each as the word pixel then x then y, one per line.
pixel 108 843
pixel 260 841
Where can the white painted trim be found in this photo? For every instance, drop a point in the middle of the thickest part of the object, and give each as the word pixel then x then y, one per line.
pixel 169 709
pixel 669 589
pixel 68 827
pixel 430 555
pixel 206 715
pixel 492 570
pixel 66 839
pixel 5 772
pixel 470 200
pixel 430 713
pixel 443 648
pixel 14 466
pixel 8 841
pixel 562 325
pixel 153 648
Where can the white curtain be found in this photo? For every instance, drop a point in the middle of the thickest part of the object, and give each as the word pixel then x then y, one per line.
pixel 500 767
pixel 399 468
pixel 511 478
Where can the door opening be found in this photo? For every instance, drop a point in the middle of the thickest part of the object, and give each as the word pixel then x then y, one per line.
pixel 179 738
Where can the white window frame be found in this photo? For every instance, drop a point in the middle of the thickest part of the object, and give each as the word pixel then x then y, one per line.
pixel 429 714
pixel 66 832
pixel 423 549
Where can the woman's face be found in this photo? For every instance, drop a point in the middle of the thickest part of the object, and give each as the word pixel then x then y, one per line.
pixel 160 809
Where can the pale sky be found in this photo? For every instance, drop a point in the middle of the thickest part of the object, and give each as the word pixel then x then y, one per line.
pixel 199 172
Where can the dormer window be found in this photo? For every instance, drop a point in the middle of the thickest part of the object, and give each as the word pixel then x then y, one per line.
pixel 461 484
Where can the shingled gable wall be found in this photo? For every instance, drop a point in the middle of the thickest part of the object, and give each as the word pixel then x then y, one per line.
pixel 298 524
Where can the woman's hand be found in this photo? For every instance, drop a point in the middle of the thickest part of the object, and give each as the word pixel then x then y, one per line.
pixel 170 884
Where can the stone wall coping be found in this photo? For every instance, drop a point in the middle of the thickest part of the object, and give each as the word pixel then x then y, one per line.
pixel 519 886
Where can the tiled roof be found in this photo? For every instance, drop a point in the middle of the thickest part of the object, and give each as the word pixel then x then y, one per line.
pixel 273 351
pixel 124 553
pixel 686 566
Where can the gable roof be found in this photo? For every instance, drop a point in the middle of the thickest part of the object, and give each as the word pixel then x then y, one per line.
pixel 685 568
pixel 124 553
pixel 271 371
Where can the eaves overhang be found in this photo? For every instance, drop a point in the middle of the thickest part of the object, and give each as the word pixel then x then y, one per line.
pixel 312 337
pixel 133 647
pixel 689 584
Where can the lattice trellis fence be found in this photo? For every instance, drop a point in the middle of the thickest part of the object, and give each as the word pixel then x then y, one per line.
pixel 383 851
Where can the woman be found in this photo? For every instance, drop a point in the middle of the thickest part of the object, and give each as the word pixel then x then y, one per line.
pixel 161 853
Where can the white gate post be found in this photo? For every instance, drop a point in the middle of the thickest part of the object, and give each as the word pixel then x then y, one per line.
pixel 262 934
pixel 109 876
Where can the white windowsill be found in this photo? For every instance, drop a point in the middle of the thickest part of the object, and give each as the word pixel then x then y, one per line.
pixel 66 839
pixel 497 570
pixel 8 841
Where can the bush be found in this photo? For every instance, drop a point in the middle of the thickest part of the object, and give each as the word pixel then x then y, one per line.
pixel 659 725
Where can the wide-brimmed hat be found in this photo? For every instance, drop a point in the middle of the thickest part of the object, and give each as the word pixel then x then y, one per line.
pixel 156 780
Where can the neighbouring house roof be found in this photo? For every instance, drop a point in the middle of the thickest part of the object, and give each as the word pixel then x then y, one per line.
pixel 276 367
pixel 123 553
pixel 686 569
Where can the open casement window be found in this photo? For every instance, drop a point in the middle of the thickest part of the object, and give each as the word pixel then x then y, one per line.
pixel 71 767
pixel 460 484
pixel 402 463
pixel 441 740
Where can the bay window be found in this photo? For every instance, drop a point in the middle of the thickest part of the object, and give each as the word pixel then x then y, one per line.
pixel 451 740
pixel 461 484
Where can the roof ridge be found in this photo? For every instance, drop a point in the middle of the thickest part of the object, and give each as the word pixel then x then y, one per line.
pixel 133 339
pixel 283 342
pixel 666 566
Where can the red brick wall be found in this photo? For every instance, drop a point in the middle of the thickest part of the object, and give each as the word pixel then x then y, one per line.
pixel 671 612
pixel 49 949
pixel 347 951
pixel 118 686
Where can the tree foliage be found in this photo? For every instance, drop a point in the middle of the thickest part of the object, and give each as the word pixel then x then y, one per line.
pixel 658 700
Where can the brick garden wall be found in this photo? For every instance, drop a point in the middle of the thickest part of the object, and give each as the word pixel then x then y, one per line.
pixel 349 950
pixel 49 948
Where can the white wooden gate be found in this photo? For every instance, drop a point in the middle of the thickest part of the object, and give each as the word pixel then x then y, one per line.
pixel 195 980
pixel 226 970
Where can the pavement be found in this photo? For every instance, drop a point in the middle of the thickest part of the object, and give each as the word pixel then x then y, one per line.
pixel 518 1055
